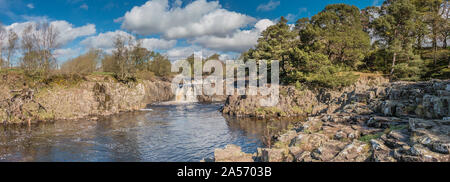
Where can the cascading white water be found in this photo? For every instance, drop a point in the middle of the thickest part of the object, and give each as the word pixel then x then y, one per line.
pixel 185 94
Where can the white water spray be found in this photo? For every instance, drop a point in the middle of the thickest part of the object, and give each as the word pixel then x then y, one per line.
pixel 185 94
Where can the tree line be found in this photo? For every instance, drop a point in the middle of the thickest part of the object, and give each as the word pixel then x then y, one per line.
pixel 403 39
pixel 127 61
pixel 391 39
pixel 38 42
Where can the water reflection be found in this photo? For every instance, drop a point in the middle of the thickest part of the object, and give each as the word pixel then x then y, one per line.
pixel 167 133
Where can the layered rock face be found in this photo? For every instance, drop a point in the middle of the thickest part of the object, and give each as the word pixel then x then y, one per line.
pixel 387 122
pixel 295 102
pixel 89 98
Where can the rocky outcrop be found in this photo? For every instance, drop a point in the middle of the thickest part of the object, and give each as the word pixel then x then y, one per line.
pixel 390 122
pixel 295 102
pixel 89 98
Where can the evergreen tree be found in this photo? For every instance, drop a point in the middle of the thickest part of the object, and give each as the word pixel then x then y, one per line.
pixel 338 33
pixel 274 43
pixel 396 27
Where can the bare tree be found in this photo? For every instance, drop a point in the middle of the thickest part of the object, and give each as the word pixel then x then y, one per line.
pixel 47 44
pixel 27 48
pixel 445 22
pixel 12 46
pixel 2 40
pixel 39 41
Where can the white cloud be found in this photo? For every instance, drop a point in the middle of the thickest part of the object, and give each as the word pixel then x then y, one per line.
pixel 30 5
pixel 271 5
pixel 84 6
pixel 180 53
pixel 195 19
pixel 105 41
pixel 158 44
pixel 240 41
pixel 118 20
pixel 67 31
pixel 67 53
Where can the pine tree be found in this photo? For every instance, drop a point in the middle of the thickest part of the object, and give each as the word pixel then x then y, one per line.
pixel 396 27
pixel 338 32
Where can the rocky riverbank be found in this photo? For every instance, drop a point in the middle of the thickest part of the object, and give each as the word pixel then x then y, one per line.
pixel 371 121
pixel 90 98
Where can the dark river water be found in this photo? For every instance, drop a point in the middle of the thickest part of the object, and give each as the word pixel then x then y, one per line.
pixel 175 133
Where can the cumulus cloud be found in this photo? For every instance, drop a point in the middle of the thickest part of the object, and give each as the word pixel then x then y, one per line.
pixel 30 5
pixel 240 41
pixel 105 41
pixel 271 5
pixel 158 44
pixel 180 53
pixel 67 31
pixel 195 19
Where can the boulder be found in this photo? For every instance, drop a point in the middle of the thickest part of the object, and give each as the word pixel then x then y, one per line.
pixel 357 151
pixel 309 142
pixel 380 152
pixel 288 137
pixel 232 153
pixel 328 150
pixel 273 155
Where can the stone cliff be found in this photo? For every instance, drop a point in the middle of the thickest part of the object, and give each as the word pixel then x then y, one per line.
pixel 372 121
pixel 86 99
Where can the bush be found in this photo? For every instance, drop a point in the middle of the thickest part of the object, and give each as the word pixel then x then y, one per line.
pixel 314 69
pixel 412 71
pixel 145 75
pixel 160 66
pixel 109 65
pixel 64 80
pixel 84 64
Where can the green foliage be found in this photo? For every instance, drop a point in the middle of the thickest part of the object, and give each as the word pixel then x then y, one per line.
pixel 64 79
pixel 160 66
pixel 411 71
pixel 337 32
pixel 331 44
pixel 394 26
pixel 315 69
pixel 270 111
pixel 369 137
pixel 273 44
pixel 130 61
pixel 299 86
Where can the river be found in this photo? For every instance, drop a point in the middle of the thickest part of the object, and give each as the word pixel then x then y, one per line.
pixel 164 133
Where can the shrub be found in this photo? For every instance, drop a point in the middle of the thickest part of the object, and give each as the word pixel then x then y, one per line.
pixel 316 70
pixel 145 75
pixel 160 66
pixel 411 71
pixel 84 64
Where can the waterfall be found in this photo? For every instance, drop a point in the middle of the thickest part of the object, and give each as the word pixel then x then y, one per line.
pixel 185 94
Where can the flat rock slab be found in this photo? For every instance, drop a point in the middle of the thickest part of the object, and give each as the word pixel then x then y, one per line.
pixel 232 153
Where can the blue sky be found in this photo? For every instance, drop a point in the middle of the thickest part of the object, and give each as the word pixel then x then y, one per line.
pixel 109 18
